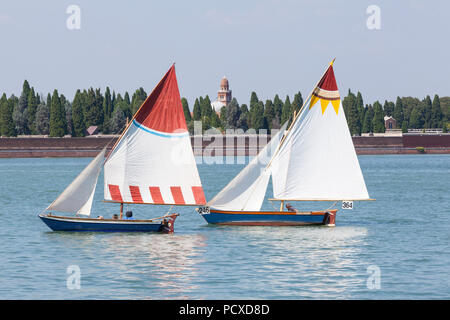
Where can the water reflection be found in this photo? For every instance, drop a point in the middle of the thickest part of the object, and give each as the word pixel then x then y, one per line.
pixel 298 262
pixel 140 265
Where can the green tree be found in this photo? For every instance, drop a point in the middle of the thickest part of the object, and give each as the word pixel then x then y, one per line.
pixel 436 113
pixel 79 124
pixel 388 108
pixel 118 120
pixel 31 112
pixel 351 111
pixel 426 111
pixel 367 126
pixel 7 128
pixel 43 119
pixel 20 116
pixel 297 103
pixel 269 113
pixel 278 109
pixel 398 112
pixel 405 127
pixel 233 114
pixel 257 116
pixel 378 118
pixel 187 112
pixel 415 119
pixel 58 123
pixel 137 100
pixel 286 111
pixel 107 110
pixel 197 111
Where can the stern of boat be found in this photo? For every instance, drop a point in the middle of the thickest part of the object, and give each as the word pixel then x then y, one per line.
pixel 329 218
pixel 168 223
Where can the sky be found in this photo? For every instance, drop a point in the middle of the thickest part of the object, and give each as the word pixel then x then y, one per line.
pixel 267 46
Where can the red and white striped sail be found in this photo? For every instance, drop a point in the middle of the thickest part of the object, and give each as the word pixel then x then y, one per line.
pixel 153 160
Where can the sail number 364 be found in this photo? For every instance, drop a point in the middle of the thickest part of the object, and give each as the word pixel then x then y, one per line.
pixel 347 205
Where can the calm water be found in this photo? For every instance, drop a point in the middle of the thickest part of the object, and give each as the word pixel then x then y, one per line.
pixel 405 234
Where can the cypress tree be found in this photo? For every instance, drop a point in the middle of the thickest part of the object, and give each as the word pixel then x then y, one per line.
pixel 186 111
pixel 137 100
pixel 7 128
pixel 416 120
pixel 79 124
pixel 351 112
pixel 286 111
pixel 197 111
pixel 206 108
pixel 233 114
pixel 426 111
pixel 388 108
pixel 94 108
pixel 31 112
pixel 360 109
pixel 398 112
pixel 223 117
pixel 42 119
pixel 269 113
pixel 278 109
pixel 368 118
pixel 297 103
pixel 436 113
pixel 107 110
pixel 58 123
pixel 405 127
pixel 19 114
pixel 378 118
pixel 118 119
pixel 257 115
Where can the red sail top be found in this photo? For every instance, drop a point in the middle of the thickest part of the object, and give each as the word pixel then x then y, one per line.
pixel 162 110
pixel 328 82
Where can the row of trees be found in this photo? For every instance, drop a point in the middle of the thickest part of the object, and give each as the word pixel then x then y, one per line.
pixel 56 116
pixel 409 113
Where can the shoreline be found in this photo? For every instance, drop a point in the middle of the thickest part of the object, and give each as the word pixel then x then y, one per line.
pixel 42 147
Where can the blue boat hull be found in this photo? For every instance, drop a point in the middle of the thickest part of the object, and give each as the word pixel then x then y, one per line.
pixel 274 218
pixel 57 223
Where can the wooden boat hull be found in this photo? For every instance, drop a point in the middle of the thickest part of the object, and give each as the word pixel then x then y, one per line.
pixel 270 218
pixel 59 223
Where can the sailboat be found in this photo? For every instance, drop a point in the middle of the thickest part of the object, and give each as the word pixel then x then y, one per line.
pixel 313 160
pixel 152 162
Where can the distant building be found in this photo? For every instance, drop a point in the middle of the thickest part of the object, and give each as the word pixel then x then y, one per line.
pixel 92 130
pixel 390 123
pixel 223 95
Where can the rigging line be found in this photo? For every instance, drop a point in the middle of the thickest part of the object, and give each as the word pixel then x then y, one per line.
pixel 334 204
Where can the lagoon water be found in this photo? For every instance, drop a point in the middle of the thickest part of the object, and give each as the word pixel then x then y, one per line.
pixel 394 248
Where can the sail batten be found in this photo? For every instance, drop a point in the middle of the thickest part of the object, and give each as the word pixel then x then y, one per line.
pixel 153 161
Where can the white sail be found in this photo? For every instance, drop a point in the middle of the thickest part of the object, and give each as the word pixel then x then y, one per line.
pixel 317 160
pixel 153 161
pixel 78 196
pixel 247 190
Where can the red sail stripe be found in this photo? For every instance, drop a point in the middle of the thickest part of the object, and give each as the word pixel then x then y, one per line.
pixel 136 194
pixel 199 196
pixel 162 110
pixel 156 195
pixel 177 195
pixel 114 190
pixel 328 81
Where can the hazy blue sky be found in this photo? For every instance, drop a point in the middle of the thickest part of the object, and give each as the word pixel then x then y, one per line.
pixel 264 46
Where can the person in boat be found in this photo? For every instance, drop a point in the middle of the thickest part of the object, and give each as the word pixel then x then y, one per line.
pixel 129 215
pixel 290 208
pixel 99 217
pixel 115 216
